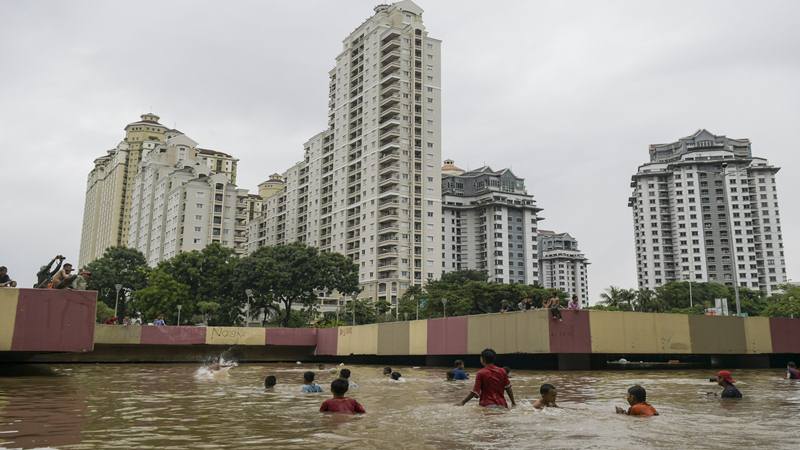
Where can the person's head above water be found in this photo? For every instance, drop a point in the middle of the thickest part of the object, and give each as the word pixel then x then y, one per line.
pixel 507 369
pixel 548 392
pixel 339 387
pixel 270 381
pixel 308 377
pixel 344 374
pixel 458 364
pixel 791 365
pixel 387 370
pixel 488 356
pixel 636 394
pixel 396 375
pixel 451 375
pixel 724 377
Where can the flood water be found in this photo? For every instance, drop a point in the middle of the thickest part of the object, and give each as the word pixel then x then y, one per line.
pixel 168 406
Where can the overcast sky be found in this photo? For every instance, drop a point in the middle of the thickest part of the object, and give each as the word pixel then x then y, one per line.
pixel 568 94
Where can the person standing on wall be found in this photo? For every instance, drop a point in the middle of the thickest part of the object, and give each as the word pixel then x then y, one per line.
pixel 44 275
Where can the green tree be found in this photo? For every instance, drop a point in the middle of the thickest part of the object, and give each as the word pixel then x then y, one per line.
pixel 209 276
pixel 162 296
pixel 294 274
pixel 104 312
pixel 784 304
pixel 118 265
pixel 207 309
pixel 618 298
pixel 408 302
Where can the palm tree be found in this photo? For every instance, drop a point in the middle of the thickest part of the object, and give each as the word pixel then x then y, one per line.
pixel 616 297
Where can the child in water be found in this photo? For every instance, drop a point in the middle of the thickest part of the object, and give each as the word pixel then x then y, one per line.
pixel 387 371
pixel 396 376
pixel 309 387
pixel 451 376
pixel 548 399
pixel 269 382
pixel 344 374
pixel 458 370
pixel 791 371
pixel 490 384
pixel 339 403
pixel 637 398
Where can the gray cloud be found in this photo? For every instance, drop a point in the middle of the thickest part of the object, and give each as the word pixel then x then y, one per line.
pixel 568 94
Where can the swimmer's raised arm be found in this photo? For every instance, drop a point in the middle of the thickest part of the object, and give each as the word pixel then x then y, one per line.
pixel 510 393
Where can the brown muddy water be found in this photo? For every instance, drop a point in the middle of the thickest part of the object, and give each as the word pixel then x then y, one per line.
pixel 174 406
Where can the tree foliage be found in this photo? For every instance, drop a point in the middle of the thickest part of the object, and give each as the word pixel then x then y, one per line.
pixel 118 265
pixel 294 274
pixel 162 296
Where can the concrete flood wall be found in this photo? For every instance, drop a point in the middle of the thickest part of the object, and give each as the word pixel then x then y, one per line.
pixel 46 320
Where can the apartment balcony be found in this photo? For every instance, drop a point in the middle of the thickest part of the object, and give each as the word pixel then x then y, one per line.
pixel 390 264
pixel 390 42
pixel 387 57
pixel 389 168
pixel 390 100
pixel 390 68
pixel 389 145
pixel 392 79
pixel 388 215
pixel 388 181
pixel 388 252
pixel 392 112
pixel 389 228
pixel 388 239
pixel 388 202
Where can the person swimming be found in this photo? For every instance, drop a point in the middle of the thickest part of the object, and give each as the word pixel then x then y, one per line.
pixel 397 376
pixel 269 382
pixel 309 386
pixel 637 399
pixel 548 397
pixel 387 371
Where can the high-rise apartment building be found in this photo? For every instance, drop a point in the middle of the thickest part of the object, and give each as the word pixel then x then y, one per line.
pixel 179 204
pixel 369 186
pixel 112 183
pixel 106 213
pixel 489 223
pixel 706 209
pixel 562 265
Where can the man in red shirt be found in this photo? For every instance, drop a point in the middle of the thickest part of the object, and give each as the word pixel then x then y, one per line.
pixel 339 403
pixel 490 383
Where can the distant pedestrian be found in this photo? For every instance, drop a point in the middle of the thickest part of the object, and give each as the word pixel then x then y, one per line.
pixel 160 321
pixel 63 278
pixel 5 279
pixel 574 304
pixel 44 275
pixel 554 305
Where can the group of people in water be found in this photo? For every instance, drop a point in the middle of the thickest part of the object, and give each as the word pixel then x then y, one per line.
pixel 492 385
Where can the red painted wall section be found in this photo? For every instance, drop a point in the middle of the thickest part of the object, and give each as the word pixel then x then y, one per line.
pixel 785 335
pixel 292 336
pixel 170 335
pixel 327 341
pixel 54 321
pixel 572 335
pixel 447 336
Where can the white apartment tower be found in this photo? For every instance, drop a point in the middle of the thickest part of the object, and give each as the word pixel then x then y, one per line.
pixel 489 223
pixel 562 265
pixel 110 185
pixel 369 186
pixel 705 209
pixel 179 204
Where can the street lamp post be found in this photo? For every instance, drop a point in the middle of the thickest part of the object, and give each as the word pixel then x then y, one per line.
pixel 249 293
pixel 179 314
pixel 444 308
pixel 116 302
pixel 353 301
pixel 417 299
pixel 337 311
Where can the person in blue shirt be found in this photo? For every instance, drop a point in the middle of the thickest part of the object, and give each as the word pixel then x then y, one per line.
pixel 308 383
pixel 458 371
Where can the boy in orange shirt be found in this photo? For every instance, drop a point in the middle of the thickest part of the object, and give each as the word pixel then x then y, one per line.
pixel 637 398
